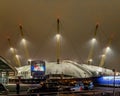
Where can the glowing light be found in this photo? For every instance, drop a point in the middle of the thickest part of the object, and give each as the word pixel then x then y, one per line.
pixel 12 49
pixel 23 40
pixel 117 73
pixel 94 40
pixel 58 36
pixel 92 44
pixel 29 60
pixel 17 56
pixel 103 55
pixel 108 49
pixel 19 71
pixel 90 60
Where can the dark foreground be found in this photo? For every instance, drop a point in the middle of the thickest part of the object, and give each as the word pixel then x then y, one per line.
pixel 98 91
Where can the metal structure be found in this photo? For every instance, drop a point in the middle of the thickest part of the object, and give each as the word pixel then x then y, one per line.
pixel 24 42
pixel 17 60
pixel 103 58
pixel 58 41
pixel 90 56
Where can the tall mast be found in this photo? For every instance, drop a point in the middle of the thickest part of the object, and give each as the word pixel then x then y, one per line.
pixel 15 56
pixel 24 42
pixel 58 41
pixel 102 62
pixel 90 56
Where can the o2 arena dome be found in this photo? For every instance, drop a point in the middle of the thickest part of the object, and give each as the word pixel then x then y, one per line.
pixel 67 68
pixel 74 69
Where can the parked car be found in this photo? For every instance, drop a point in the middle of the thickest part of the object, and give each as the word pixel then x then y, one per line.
pixel 78 87
pixel 3 90
pixel 83 86
pixel 88 86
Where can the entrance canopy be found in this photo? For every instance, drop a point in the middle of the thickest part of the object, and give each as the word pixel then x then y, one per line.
pixel 5 66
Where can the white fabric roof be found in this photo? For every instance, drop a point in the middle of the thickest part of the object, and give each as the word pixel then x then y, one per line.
pixel 70 68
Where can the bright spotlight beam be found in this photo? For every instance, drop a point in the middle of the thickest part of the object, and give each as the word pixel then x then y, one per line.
pixel 90 55
pixel 17 60
pixel 102 60
pixel 24 42
pixel 107 49
pixel 94 40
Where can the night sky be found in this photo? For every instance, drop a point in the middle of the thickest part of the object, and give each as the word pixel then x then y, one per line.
pixel 78 19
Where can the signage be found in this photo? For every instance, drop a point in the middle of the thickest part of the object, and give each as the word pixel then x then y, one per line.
pixel 38 68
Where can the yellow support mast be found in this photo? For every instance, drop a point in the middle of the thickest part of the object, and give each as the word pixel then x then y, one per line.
pixel 58 41
pixel 90 56
pixel 24 42
pixel 16 59
pixel 102 62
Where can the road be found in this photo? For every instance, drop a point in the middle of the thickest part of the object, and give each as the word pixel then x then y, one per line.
pixel 98 91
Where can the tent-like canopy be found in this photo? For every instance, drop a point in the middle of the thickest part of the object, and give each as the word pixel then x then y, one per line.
pixel 68 68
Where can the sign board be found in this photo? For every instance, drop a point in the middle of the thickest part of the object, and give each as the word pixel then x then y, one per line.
pixel 38 68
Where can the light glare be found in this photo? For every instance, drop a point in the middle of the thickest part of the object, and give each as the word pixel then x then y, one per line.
pixel 17 56
pixel 12 49
pixel 58 36
pixel 94 40
pixel 108 49
pixel 23 40
pixel 29 60
pixel 90 60
pixel 103 55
